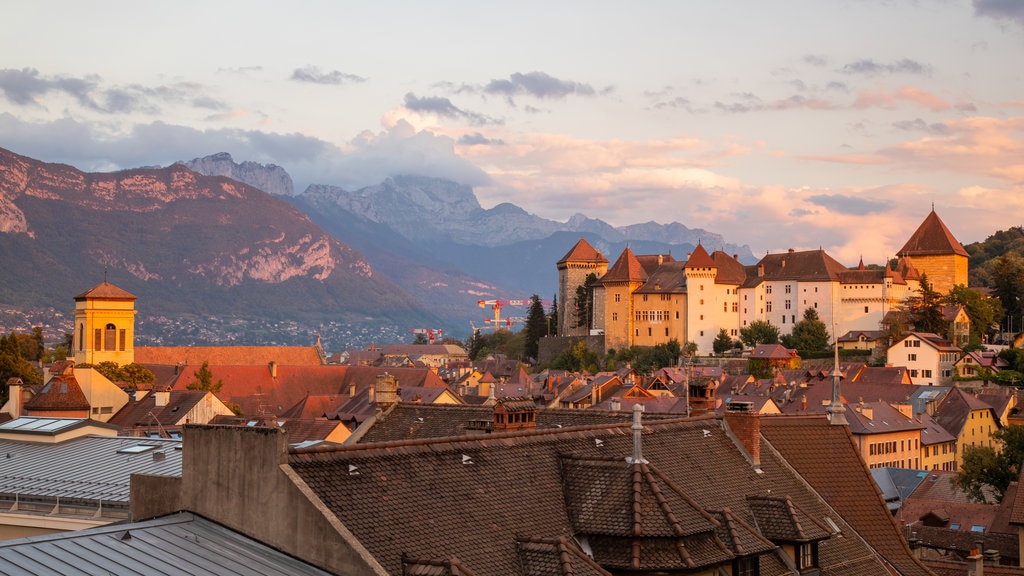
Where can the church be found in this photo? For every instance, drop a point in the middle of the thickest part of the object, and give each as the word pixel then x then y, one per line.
pixel 645 300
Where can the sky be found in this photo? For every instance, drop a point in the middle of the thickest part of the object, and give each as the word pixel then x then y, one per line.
pixel 804 124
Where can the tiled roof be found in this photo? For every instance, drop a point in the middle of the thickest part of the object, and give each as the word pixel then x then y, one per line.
pixel 62 392
pixel 884 419
pixel 843 481
pixel 955 408
pixel 626 269
pixel 699 258
pixel 105 291
pixel 667 278
pixel 932 238
pixel 228 355
pixel 730 271
pixel 526 485
pixel 315 406
pixel 807 266
pixel 781 520
pixel 582 251
pixel 145 412
pixel 932 433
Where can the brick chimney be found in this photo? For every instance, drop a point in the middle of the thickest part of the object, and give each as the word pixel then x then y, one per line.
pixel 387 391
pixel 744 423
pixel 16 399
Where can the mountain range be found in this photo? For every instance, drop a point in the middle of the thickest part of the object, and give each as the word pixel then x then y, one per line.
pixel 214 238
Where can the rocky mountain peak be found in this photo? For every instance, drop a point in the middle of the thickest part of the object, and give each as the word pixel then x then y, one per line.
pixel 267 177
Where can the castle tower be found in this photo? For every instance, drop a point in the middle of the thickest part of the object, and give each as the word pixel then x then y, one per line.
pixel 614 309
pixel 573 270
pixel 935 253
pixel 702 299
pixel 104 326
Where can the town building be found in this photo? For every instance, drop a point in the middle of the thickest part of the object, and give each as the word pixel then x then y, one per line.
pixel 928 357
pixel 649 299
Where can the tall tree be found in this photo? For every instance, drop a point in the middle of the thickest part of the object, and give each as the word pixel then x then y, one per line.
pixel 12 365
pixel 1008 286
pixel 984 466
pixel 926 309
pixel 553 317
pixel 723 343
pixel 759 332
pixel 584 302
pixel 536 327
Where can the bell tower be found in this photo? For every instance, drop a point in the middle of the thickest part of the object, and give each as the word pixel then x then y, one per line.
pixel 104 326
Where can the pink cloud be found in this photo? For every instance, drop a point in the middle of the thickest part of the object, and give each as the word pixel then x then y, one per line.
pixel 907 94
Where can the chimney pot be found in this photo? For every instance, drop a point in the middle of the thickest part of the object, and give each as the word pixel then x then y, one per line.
pixel 745 425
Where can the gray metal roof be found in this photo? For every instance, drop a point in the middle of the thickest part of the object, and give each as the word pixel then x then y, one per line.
pixel 89 468
pixel 181 543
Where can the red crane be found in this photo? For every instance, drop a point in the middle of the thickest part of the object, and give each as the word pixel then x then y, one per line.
pixel 497 304
pixel 432 335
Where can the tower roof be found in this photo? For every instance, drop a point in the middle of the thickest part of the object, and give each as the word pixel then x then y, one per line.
pixel 932 238
pixel 582 252
pixel 700 258
pixel 626 269
pixel 105 291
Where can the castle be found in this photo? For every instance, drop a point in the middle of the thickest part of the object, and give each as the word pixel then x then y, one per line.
pixel 645 300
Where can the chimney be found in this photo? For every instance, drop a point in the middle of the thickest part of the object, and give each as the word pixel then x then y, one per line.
pixel 352 391
pixel 15 396
pixel 273 369
pixel 161 397
pixel 744 423
pixel 661 259
pixel 803 402
pixel 992 557
pixel 760 270
pixel 975 563
pixel 370 394
pixel 616 405
pixel 387 391
pixel 868 412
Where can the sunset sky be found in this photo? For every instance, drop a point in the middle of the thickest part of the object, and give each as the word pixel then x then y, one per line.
pixel 785 124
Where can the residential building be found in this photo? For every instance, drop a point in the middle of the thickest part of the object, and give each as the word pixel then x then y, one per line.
pixel 885 437
pixel 968 419
pixel 928 357
pixel 938 446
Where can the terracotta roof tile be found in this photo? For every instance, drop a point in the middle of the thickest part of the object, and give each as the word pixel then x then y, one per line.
pixel 626 269
pixel 105 291
pixel 61 393
pixel 582 251
pixel 228 355
pixel 932 238
pixel 699 258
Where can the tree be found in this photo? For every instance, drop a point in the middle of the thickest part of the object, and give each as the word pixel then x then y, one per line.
pixel 130 374
pixel 420 338
pixel 1008 285
pixel 553 317
pixel 575 358
pixel 759 332
pixel 584 302
pixel 536 327
pixel 723 343
pixel 12 365
pixel 984 467
pixel 204 380
pixel 982 311
pixel 926 309
pixel 809 334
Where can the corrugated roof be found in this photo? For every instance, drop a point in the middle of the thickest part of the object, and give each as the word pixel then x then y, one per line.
pixel 87 468
pixel 181 543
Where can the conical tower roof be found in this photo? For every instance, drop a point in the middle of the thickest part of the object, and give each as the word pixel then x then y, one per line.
pixel 582 251
pixel 932 238
pixel 700 258
pixel 626 269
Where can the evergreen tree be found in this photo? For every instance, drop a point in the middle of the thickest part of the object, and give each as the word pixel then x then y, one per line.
pixel 723 343
pixel 553 317
pixel 204 380
pixel 536 327
pixel 584 302
pixel 1008 286
pixel 926 309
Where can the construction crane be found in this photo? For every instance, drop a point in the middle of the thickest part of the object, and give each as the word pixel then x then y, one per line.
pixel 432 335
pixel 497 304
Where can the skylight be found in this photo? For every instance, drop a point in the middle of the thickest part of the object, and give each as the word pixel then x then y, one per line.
pixel 137 449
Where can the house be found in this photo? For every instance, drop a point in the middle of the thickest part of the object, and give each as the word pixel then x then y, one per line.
pixel 885 436
pixel 68 392
pixel 958 325
pixel 968 419
pixel 710 495
pixel 868 340
pixel 978 363
pixel 162 413
pixel 929 358
pixel 938 446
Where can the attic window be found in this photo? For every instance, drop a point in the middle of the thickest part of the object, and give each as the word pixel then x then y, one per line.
pixel 137 449
pixel 954 526
pixel 977 528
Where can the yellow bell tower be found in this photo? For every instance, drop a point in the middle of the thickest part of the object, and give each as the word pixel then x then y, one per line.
pixel 104 326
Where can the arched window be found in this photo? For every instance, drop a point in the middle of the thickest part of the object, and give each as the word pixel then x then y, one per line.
pixel 110 337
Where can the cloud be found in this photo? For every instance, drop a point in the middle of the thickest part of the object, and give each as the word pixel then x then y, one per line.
pixel 990 147
pixel 313 75
pixel 444 108
pixel 816 60
pixel 919 125
pixel 538 85
pixel 26 87
pixel 478 139
pixel 848 205
pixel 907 94
pixel 1012 10
pixel 867 67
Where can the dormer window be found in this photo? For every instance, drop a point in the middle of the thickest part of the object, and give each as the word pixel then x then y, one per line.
pixel 746 566
pixel 807 556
